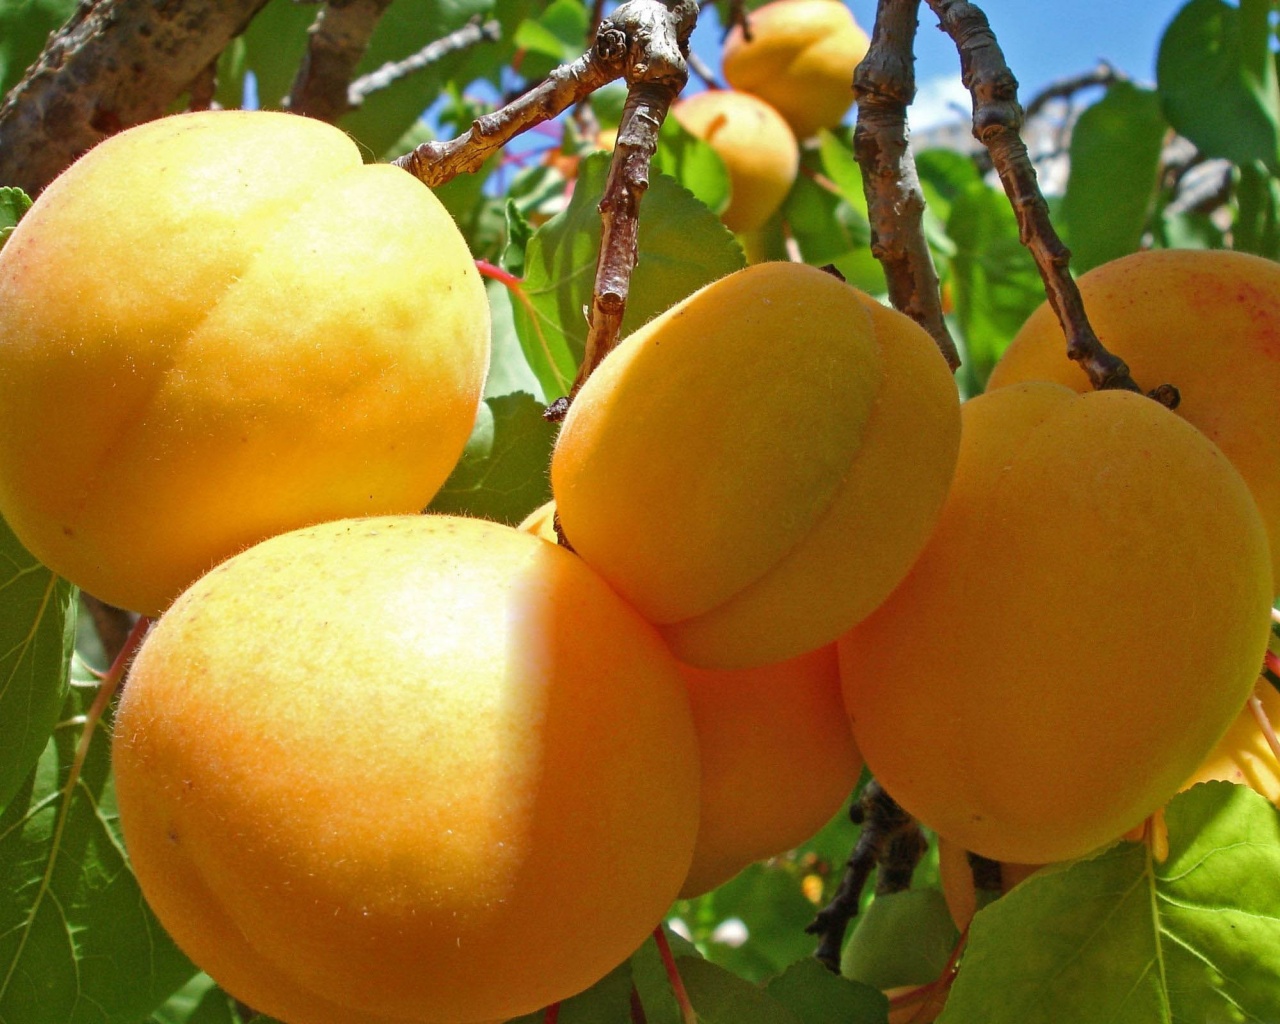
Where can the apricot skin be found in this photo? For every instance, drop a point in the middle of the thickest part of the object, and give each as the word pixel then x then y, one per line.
pixel 1205 321
pixel 758 149
pixel 755 469
pixel 216 327
pixel 1084 624
pixel 800 59
pixel 367 772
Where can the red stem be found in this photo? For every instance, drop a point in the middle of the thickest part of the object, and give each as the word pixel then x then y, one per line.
pixel 673 976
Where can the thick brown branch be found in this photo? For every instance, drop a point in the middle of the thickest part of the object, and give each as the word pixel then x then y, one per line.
pixel 336 43
pixel 474 31
pixel 116 63
pixel 997 120
pixel 883 87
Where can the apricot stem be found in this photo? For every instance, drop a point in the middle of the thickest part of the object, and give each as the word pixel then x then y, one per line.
pixel 474 32
pixel 673 976
pixel 552 1015
pixel 883 86
pixel 1265 725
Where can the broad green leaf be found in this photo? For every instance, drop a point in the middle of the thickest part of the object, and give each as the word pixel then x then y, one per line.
pixel 558 35
pixel 608 1001
pixel 996 283
pixel 693 163
pixel 502 474
pixel 1206 88
pixel 1257 223
pixel 200 1001
pixel 273 46
pixel 24 27
pixel 13 204
pixel 902 938
pixel 817 996
pixel 823 224
pixel 1115 158
pixel 37 633
pixel 682 246
pixel 508 369
pixel 1190 230
pixel 1123 938
pixel 78 944
pixel 721 997
pixel 944 174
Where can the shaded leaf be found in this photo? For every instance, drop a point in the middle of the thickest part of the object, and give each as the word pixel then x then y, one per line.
pixel 271 48
pixel 902 938
pixel 608 1001
pixel 682 246
pixel 721 997
pixel 1115 160
pixel 653 987
pixel 502 474
pixel 508 369
pixel 1206 90
pixel 200 1001
pixel 24 27
pixel 37 633
pixel 1122 938
pixel 78 944
pixel 817 996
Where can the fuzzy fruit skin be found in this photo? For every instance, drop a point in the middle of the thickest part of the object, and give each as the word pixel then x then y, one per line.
pixel 1207 321
pixel 216 327
pixel 778 761
pixel 755 469
pixel 1086 621
pixel 800 59
pixel 759 151
pixel 368 771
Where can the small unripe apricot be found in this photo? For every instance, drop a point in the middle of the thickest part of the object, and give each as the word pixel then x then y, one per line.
pixel 758 149
pixel 406 769
pixel 1087 619
pixel 1207 321
pixel 756 469
pixel 800 59
pixel 220 326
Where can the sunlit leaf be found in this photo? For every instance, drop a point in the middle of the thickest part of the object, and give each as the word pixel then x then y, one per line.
pixel 13 204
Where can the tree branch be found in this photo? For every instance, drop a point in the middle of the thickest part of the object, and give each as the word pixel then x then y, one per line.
pixel 473 32
pixel 997 119
pixel 883 87
pixel 116 63
pixel 336 43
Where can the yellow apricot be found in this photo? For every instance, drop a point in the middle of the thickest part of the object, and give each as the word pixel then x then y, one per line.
pixel 800 59
pixel 220 326
pixel 1085 622
pixel 756 469
pixel 1206 321
pixel 759 151
pixel 778 761
pixel 371 771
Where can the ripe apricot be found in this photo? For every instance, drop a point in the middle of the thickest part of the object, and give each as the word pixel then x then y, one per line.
pixel 756 468
pixel 800 59
pixel 759 151
pixel 778 761
pixel 1206 321
pixel 418 769
pixel 1085 622
pixel 220 326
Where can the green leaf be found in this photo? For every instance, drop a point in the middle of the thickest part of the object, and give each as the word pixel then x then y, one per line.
pixel 502 474
pixel 902 938
pixel 508 369
pixel 78 944
pixel 817 996
pixel 559 32
pixel 24 27
pixel 693 163
pixel 1125 939
pixel 200 1001
pixel 721 997
pixel 13 204
pixel 653 987
pixel 682 246
pixel 37 633
pixel 608 1001
pixel 1115 159
pixel 1207 91
pixel 995 279
pixel 274 44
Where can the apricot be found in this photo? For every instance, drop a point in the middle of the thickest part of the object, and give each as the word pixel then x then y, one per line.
pixel 416 769
pixel 755 469
pixel 220 326
pixel 1206 321
pixel 759 151
pixel 1084 624
pixel 778 761
pixel 800 59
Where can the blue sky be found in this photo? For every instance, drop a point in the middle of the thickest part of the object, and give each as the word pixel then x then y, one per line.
pixel 1042 42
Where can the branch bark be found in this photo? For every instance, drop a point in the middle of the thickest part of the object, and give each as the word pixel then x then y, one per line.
pixel 997 120
pixel 336 43
pixel 116 63
pixel 883 88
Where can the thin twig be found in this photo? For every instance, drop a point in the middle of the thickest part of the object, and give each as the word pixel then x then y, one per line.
pixel 1103 74
pixel 883 87
pixel 471 34
pixel 997 120
pixel 699 67
pixel 336 43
